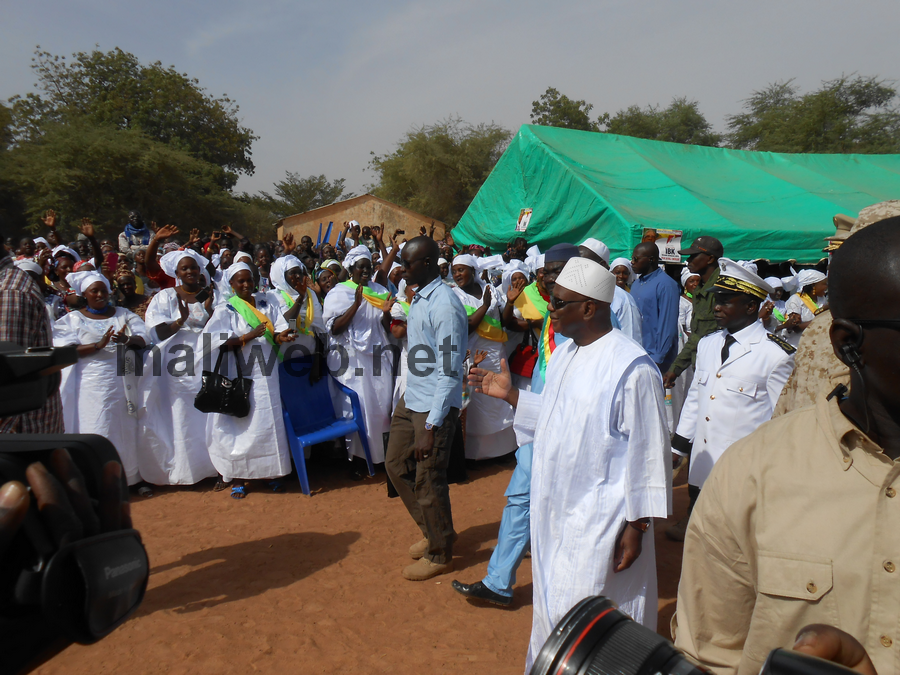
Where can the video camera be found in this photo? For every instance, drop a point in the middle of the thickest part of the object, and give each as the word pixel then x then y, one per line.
pixel 51 596
pixel 595 638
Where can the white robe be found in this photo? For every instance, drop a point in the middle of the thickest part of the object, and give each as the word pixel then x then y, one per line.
pixel 95 397
pixel 255 446
pixel 489 421
pixel 351 361
pixel 601 459
pixel 172 441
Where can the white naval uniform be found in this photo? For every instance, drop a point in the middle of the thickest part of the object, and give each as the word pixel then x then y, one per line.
pixel 726 402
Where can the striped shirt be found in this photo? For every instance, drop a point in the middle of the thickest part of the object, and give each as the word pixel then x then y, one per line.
pixel 24 320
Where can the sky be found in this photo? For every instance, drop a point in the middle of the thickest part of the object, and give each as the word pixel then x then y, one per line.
pixel 324 84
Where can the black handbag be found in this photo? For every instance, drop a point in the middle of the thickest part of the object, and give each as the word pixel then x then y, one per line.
pixel 218 394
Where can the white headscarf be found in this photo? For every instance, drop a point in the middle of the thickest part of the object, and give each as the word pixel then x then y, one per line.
pixel 66 249
pixel 511 268
pixel 790 283
pixel 234 268
pixel 624 262
pixel 443 261
pixel 169 262
pixel 81 281
pixel 808 277
pixel 479 264
pixel 240 256
pixel 28 266
pixel 685 275
pixel 357 253
pixel 278 272
pixel 774 282
pixel 41 240
pixel 749 265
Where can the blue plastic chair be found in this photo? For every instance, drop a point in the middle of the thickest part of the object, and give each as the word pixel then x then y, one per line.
pixel 309 416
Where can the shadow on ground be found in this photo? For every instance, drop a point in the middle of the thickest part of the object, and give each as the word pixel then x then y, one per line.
pixel 226 574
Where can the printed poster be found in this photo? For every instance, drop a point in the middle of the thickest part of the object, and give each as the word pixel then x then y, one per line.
pixel 524 219
pixel 667 241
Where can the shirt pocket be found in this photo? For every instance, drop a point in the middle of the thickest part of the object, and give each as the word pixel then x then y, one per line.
pixel 742 387
pixel 793 590
pixel 702 376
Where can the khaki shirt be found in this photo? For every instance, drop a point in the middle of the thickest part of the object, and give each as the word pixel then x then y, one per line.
pixel 703 323
pixel 815 367
pixel 798 523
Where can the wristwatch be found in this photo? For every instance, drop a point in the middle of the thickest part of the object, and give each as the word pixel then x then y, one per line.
pixel 640 526
pixel 428 426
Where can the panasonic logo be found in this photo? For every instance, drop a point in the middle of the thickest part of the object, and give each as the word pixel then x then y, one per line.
pixel 113 572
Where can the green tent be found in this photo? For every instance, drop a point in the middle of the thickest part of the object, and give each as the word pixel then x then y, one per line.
pixel 582 184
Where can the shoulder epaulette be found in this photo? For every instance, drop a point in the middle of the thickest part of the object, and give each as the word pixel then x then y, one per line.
pixel 781 342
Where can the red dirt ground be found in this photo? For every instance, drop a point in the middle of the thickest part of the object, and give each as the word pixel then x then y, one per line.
pixel 287 583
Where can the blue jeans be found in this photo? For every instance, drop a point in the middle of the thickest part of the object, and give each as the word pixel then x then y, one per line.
pixel 515 528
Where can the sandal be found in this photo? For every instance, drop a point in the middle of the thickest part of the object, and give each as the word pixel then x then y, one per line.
pixel 239 492
pixel 276 485
pixel 221 485
pixel 145 491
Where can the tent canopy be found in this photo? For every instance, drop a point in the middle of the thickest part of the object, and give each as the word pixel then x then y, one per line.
pixel 584 184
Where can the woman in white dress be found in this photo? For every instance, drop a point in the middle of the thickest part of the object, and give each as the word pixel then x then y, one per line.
pixel 801 308
pixel 489 431
pixel 172 441
pixel 251 329
pixel 95 393
pixel 360 354
pixel 625 275
pixel 296 301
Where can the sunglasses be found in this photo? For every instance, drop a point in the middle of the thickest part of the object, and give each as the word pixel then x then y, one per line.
pixel 557 304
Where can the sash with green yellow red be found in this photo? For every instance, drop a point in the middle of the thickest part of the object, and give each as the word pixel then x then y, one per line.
pixel 254 317
pixel 531 303
pixel 370 296
pixel 489 329
pixel 306 326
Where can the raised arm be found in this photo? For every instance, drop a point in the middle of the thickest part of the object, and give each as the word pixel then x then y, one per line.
pixel 150 264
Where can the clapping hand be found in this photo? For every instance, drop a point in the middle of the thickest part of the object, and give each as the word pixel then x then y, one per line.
pixel 289 243
pixel 87 228
pixel 487 297
pixel 121 338
pixel 480 356
pixel 49 219
pixel 165 232
pixel 358 296
pixel 515 290
pixel 388 304
pixel 101 344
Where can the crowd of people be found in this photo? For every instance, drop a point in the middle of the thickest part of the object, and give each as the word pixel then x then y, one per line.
pixel 606 377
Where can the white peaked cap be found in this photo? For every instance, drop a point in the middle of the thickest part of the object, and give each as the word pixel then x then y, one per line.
pixel 597 247
pixel 589 278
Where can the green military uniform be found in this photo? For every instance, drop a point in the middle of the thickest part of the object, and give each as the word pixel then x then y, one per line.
pixel 703 322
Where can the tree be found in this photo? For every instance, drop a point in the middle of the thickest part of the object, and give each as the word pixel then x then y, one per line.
pixel 681 122
pixel 437 169
pixel 85 170
pixel 299 195
pixel 558 110
pixel 849 114
pixel 113 88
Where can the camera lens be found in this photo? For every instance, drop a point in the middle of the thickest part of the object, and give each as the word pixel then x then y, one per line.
pixel 595 638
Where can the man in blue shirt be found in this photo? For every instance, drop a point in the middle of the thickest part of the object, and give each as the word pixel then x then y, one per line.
pixel 425 417
pixel 656 295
